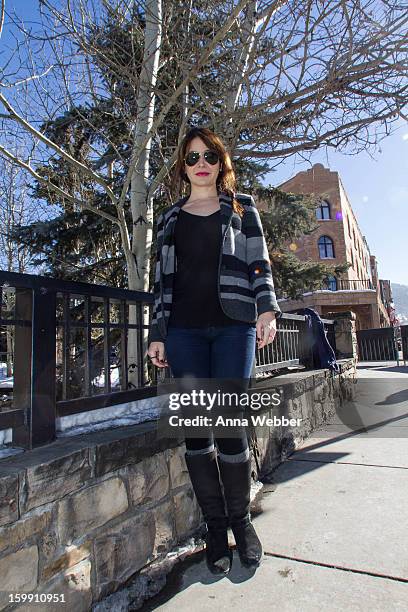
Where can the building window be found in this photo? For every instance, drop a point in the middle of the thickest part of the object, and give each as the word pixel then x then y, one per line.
pixel 323 211
pixel 326 248
pixel 331 282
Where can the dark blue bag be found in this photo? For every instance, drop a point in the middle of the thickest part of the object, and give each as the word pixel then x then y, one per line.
pixel 323 354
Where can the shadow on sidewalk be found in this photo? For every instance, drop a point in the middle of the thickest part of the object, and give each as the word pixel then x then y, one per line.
pixel 193 570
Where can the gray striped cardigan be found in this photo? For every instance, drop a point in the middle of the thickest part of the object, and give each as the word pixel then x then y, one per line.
pixel 245 284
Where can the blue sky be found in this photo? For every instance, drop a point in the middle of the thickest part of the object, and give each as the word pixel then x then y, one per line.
pixel 378 192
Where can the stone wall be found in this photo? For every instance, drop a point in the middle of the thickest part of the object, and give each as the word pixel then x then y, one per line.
pixel 83 515
pixel 345 333
pixel 311 396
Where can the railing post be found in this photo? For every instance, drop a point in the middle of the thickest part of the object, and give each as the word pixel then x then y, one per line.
pixel 35 367
pixel 404 342
pixel 344 334
pixel 43 392
pixel 22 364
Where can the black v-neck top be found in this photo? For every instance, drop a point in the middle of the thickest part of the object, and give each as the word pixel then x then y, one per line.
pixel 195 301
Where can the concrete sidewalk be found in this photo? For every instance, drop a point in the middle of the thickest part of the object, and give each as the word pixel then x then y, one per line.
pixel 333 523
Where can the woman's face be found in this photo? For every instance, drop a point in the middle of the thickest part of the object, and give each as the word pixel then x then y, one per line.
pixel 202 173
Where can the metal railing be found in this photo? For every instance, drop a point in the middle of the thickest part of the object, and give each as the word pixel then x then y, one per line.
pixel 383 344
pixel 403 333
pixel 377 344
pixel 287 349
pixel 71 351
pixel 340 284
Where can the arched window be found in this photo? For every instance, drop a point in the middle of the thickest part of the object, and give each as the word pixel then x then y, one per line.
pixel 323 211
pixel 331 282
pixel 326 248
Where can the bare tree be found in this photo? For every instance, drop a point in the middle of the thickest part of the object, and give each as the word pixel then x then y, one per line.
pixel 14 256
pixel 274 78
pixel 14 211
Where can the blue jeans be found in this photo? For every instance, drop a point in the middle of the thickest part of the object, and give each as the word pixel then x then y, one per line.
pixel 214 352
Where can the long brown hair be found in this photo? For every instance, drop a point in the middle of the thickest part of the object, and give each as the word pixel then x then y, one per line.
pixel 226 180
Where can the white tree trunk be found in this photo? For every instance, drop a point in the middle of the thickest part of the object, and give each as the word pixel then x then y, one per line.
pixel 141 202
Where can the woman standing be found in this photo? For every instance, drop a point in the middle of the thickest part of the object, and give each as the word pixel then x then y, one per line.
pixel 214 299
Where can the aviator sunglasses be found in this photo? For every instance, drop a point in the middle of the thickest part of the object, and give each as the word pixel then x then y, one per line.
pixel 210 156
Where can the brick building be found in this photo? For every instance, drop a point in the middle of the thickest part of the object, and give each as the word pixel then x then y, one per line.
pixel 338 240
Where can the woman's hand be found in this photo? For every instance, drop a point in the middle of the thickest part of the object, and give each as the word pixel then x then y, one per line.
pixel 265 328
pixel 156 354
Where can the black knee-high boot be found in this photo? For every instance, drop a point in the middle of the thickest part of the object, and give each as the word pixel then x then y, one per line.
pixel 236 478
pixel 204 475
